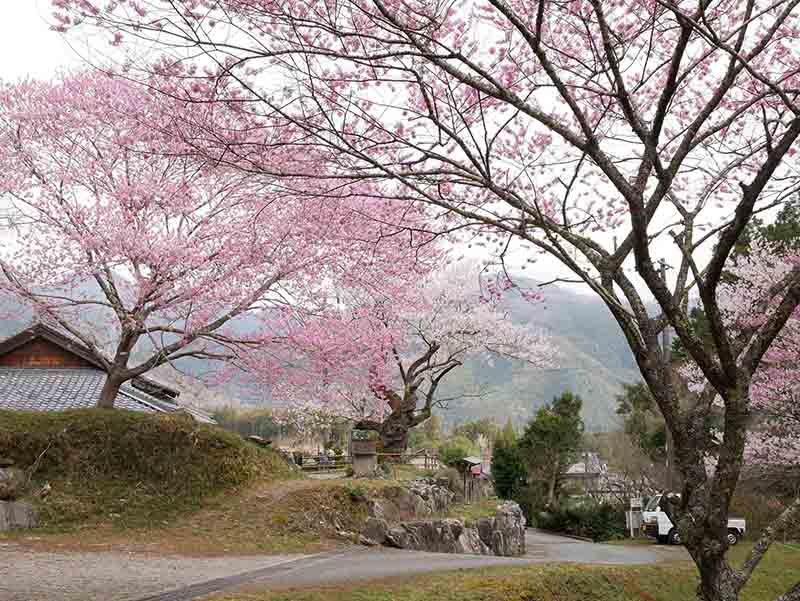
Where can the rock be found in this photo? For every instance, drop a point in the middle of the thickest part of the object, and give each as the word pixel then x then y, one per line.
pixel 347 534
pixel 375 509
pixel 471 543
pixel 437 536
pixel 45 491
pixel 397 537
pixel 259 440
pixel 504 534
pixel 411 505
pixel 436 497
pixel 12 483
pixel 375 530
pixel 17 514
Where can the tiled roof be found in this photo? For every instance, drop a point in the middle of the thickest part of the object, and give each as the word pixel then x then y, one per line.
pixel 591 464
pixel 59 389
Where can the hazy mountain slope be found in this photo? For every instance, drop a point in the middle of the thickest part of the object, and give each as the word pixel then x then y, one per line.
pixel 593 361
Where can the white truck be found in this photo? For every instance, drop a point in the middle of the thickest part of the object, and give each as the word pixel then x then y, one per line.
pixel 658 525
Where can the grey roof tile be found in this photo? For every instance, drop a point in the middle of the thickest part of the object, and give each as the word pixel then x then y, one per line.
pixel 60 389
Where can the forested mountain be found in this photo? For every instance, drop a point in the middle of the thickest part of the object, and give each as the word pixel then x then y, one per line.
pixel 593 361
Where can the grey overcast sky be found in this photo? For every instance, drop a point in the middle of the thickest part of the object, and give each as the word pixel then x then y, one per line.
pixel 27 46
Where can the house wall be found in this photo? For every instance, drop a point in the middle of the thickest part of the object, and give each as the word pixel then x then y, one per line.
pixel 41 353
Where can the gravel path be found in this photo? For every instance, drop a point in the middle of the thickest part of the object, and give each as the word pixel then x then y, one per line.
pixel 36 576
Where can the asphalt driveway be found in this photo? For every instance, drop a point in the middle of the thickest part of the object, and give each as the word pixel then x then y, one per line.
pixel 36 576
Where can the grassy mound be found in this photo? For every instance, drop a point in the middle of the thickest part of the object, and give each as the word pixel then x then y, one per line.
pixel 127 469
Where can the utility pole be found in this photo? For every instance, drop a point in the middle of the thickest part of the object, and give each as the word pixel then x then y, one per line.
pixel 666 351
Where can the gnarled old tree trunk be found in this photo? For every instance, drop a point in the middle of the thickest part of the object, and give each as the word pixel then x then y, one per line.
pixel 420 379
pixel 394 430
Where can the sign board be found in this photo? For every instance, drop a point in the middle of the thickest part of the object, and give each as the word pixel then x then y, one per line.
pixel 636 503
pixel 475 470
pixel 364 447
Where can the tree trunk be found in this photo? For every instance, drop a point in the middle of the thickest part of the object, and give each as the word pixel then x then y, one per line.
pixel 115 371
pixel 109 393
pixel 394 430
pixel 718 581
pixel 551 488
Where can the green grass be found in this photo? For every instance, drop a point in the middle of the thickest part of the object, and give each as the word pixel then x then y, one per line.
pixel 676 581
pixel 410 472
pixel 125 469
pixel 472 512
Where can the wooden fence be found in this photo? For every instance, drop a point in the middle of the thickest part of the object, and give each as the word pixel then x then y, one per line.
pixel 427 459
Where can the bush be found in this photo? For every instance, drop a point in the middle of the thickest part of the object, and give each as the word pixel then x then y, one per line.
pixel 597 522
pixel 455 449
pixel 531 499
pixel 508 469
pixel 356 493
pixel 760 510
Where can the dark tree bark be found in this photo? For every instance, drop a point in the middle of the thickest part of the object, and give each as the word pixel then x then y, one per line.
pixel 108 394
pixel 395 429
pixel 420 378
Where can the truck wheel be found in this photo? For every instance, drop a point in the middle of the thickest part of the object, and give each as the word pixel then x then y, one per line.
pixel 733 537
pixel 674 537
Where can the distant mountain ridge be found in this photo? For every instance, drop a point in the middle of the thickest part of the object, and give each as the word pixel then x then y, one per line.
pixel 594 361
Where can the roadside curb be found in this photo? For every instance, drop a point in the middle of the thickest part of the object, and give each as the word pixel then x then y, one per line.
pixel 572 536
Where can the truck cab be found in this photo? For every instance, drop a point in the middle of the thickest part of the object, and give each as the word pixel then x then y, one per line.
pixel 658 525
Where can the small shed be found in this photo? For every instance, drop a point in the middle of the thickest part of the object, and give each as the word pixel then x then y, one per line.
pixel 471 469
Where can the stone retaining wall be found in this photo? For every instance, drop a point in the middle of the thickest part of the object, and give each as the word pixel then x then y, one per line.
pixel 14 513
pixel 17 514
pixel 502 535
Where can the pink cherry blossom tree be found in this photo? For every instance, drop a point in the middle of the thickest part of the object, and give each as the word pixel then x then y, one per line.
pixel 148 253
pixel 773 443
pixel 381 361
pixel 747 299
pixel 600 134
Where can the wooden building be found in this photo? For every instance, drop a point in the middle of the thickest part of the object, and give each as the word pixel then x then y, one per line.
pixel 42 369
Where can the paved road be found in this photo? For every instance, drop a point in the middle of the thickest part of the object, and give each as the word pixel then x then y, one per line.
pixel 545 547
pixel 34 576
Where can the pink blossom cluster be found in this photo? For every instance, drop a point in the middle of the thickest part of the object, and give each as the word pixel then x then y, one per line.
pixel 747 300
pixel 337 363
pixel 129 220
